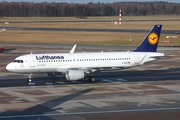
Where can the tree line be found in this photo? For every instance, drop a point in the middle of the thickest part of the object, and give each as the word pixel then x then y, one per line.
pixel 45 9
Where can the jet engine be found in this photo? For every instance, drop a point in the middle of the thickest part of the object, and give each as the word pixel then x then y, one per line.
pixel 74 74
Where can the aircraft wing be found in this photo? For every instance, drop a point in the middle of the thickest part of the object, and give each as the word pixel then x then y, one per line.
pixel 91 70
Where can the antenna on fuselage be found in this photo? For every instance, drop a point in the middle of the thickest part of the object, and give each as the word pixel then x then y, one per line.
pixel 31 53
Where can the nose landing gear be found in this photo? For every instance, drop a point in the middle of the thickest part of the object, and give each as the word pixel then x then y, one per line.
pixel 30 77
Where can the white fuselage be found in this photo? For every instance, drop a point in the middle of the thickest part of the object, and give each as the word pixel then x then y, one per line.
pixel 62 62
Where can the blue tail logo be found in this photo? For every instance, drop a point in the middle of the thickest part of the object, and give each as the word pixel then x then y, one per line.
pixel 150 43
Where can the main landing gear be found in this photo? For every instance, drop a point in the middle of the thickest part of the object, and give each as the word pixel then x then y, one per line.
pixel 92 79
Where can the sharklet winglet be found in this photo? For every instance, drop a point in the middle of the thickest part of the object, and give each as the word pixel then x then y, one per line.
pixel 73 49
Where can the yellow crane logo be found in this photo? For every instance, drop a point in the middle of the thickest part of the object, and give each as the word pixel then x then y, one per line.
pixel 153 38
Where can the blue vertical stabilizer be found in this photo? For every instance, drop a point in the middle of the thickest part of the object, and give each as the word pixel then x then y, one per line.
pixel 150 43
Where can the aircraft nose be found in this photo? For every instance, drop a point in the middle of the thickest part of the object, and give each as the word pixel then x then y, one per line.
pixel 9 67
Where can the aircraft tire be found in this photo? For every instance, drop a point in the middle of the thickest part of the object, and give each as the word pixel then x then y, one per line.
pixel 92 79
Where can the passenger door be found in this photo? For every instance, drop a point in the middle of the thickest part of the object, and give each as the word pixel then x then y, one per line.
pixel 137 59
pixel 32 60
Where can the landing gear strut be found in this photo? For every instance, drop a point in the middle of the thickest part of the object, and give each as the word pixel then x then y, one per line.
pixel 30 77
pixel 92 79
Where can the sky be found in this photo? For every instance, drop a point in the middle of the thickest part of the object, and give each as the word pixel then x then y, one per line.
pixel 87 1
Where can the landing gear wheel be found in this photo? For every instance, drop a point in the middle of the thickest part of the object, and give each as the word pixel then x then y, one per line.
pixel 92 79
pixel 29 80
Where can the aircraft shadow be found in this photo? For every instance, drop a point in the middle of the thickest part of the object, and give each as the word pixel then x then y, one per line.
pixel 37 111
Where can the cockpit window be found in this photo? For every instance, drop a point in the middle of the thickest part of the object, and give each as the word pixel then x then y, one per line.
pixel 18 61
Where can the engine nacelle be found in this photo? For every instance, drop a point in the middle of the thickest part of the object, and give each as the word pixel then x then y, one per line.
pixel 74 74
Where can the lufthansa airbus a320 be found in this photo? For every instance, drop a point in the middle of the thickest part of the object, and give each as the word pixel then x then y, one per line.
pixel 76 66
